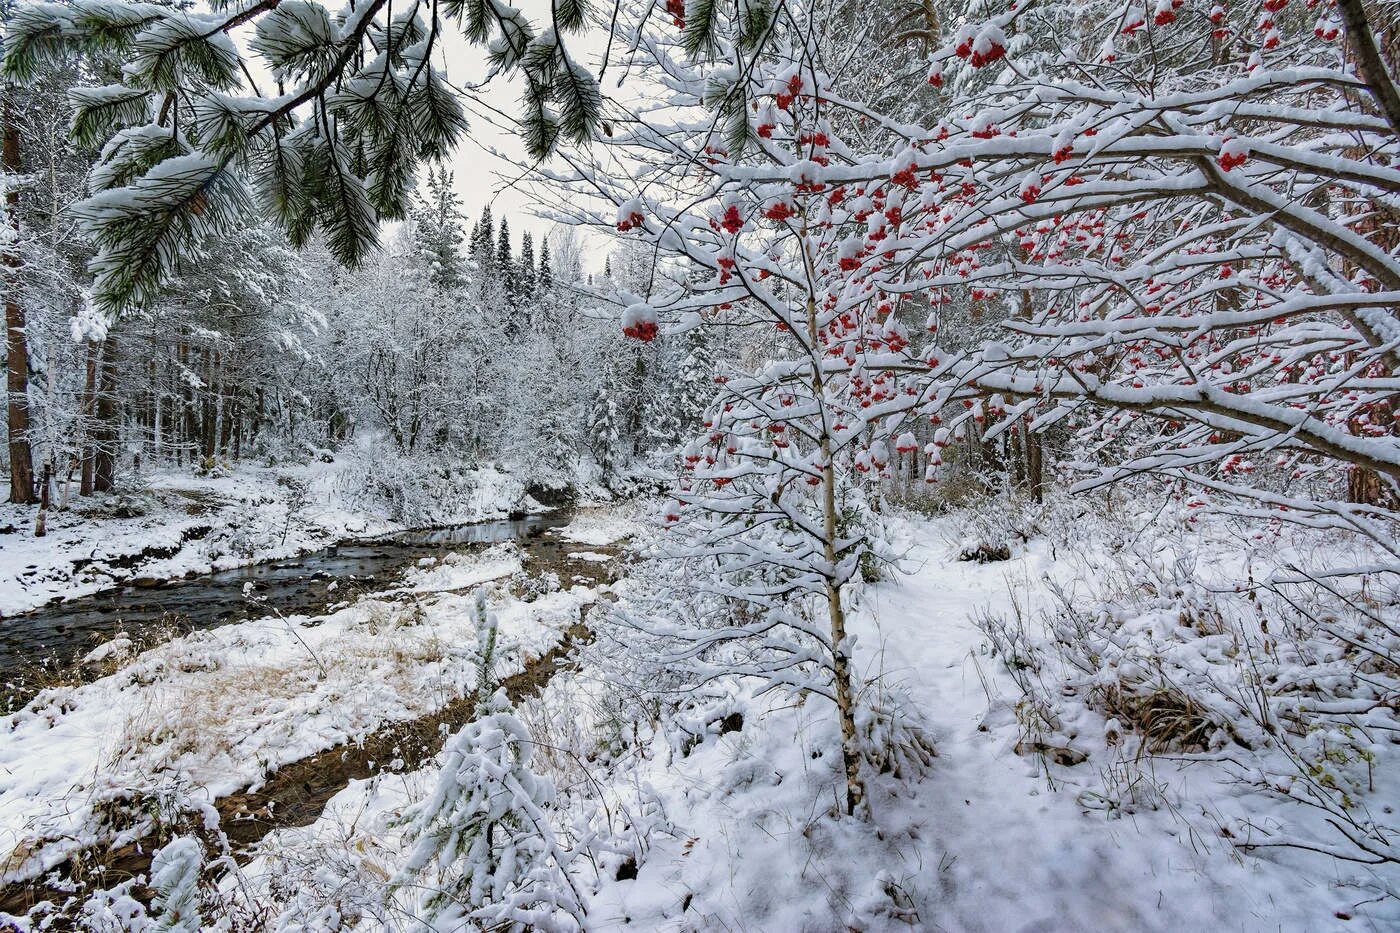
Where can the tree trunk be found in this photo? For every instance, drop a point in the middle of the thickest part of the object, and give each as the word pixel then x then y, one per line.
pixel 836 613
pixel 1366 487
pixel 87 417
pixel 206 412
pixel 41 521
pixel 16 346
pixel 1035 464
pixel 107 433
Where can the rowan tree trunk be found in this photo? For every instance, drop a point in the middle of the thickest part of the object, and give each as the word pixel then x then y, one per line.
pixel 16 346
pixel 836 612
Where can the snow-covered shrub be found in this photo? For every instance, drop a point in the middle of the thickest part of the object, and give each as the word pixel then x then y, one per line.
pixel 213 467
pixel 529 587
pixel 894 737
pixel 175 871
pixel 420 491
pixel 114 910
pixel 1201 647
pixel 132 502
pixel 248 535
pixel 996 522
pixel 483 848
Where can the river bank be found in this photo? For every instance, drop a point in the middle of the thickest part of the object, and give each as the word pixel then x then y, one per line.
pixel 93 768
pixel 171 524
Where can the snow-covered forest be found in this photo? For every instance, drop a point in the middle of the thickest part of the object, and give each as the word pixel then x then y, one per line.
pixel 766 465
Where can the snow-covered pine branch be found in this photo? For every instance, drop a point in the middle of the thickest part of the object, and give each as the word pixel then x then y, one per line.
pixel 358 107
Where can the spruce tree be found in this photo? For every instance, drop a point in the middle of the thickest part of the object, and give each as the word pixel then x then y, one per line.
pixel 505 263
pixel 525 268
pixel 604 435
pixel 696 384
pixel 483 242
pixel 545 280
pixel 437 232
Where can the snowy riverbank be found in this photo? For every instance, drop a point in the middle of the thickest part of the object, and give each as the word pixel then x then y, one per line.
pixel 216 711
pixel 172 524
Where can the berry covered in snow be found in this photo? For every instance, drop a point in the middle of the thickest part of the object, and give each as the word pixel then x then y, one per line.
pixel 629 215
pixel 639 321
pixel 1233 153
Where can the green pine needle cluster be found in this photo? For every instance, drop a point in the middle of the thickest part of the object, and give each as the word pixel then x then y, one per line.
pixel 190 147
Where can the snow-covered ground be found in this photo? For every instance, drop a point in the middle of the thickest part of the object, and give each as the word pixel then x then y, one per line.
pixel 600 527
pixel 175 524
pixel 723 813
pixel 736 829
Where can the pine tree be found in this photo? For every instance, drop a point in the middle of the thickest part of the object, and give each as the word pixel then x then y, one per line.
pixel 525 268
pixel 175 877
pixel 188 152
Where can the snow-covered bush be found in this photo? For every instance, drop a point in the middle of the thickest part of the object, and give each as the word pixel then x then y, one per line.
pixel 483 849
pixel 115 910
pixel 484 846
pixel 175 872
pixel 894 737
pixel 420 491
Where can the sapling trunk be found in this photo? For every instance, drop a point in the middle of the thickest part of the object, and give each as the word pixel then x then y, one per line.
pixel 836 613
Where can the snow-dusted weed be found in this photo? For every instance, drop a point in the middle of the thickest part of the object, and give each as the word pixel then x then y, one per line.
pixel 1212 646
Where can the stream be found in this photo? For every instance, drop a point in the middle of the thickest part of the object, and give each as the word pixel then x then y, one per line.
pixel 297 792
pixel 37 645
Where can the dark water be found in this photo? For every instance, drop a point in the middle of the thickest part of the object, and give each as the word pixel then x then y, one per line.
pixel 54 637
